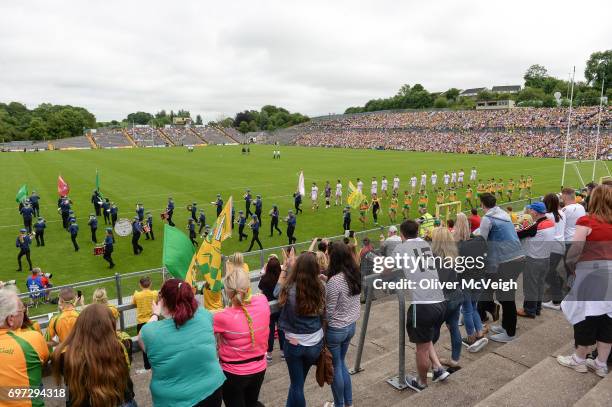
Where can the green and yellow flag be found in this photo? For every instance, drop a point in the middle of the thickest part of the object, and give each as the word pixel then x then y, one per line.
pixel 177 252
pixel 22 194
pixel 207 262
pixel 355 197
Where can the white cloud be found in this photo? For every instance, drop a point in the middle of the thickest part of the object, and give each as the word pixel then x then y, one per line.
pixel 115 57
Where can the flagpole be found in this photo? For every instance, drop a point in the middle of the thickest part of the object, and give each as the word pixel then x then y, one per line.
pixel 569 120
pixel 598 127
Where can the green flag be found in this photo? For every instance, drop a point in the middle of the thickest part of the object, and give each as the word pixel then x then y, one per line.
pixel 177 252
pixel 22 193
pixel 98 184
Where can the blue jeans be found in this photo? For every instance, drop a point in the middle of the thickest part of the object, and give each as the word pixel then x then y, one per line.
pixel 471 317
pixel 281 335
pixel 299 361
pixel 453 309
pixel 338 340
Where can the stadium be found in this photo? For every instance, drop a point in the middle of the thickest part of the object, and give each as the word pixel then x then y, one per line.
pixel 165 260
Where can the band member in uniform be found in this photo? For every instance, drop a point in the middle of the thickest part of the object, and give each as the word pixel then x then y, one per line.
pixel 34 201
pixel 219 204
pixel 71 217
pixel 247 202
pixel 393 205
pixel 170 211
pixel 194 211
pixel 192 232
pixel 95 200
pixel 23 244
pixel 241 225
pixel 297 201
pixel 39 229
pixel 291 223
pixel 407 204
pixel 73 229
pixel 201 221
pixel 375 208
pixel 109 241
pixel 27 212
pixel 314 196
pixel 140 212
pixel 114 211
pixel 327 194
pixel 255 230
pixel 274 214
pixel 93 225
pixel 346 218
pixel 65 210
pixel 338 193
pixel 106 211
pixel 136 232
pixel 149 221
pixel 258 207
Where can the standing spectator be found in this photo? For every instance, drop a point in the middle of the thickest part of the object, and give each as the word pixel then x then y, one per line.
pixel 242 335
pixel 184 326
pixel 571 211
pixel 505 261
pixel 343 309
pixel 388 245
pixel 588 306
pixel 100 297
pixel 553 279
pixel 443 245
pixel 537 241
pixel 94 363
pixel 474 220
pixel 61 325
pixel 302 298
pixel 24 352
pixel 144 300
pixel 426 313
pixel 475 248
pixel 266 285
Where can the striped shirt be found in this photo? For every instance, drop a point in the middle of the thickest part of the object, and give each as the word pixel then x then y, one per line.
pixel 22 356
pixel 342 307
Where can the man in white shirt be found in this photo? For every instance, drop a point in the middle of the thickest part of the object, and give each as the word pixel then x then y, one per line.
pixel 384 185
pixel 460 180
pixel 374 187
pixel 314 196
pixel 446 179
pixel 473 174
pixel 396 184
pixel 454 178
pixel 434 179
pixel 571 212
pixel 423 180
pixel 338 193
pixel 359 185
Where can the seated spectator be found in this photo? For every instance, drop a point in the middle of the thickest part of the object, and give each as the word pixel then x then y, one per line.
pixel 342 305
pixel 588 306
pixel 62 324
pixel 24 352
pixel 93 362
pixel 35 285
pixel 242 336
pixel 267 283
pixel 302 298
pixel 100 297
pixel 178 324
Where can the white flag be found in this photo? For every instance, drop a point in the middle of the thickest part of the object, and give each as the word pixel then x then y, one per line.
pixel 301 188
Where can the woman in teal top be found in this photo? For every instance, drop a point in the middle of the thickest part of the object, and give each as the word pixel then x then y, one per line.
pixel 182 350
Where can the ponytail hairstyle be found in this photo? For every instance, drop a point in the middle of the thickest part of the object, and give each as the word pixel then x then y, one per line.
pixel 237 285
pixel 179 300
pixel 100 296
pixel 552 206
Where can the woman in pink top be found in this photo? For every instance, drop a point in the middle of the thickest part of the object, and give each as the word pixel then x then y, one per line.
pixel 242 336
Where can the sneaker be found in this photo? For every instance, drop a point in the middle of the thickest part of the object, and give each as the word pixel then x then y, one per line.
pixel 478 345
pixel 600 371
pixel 502 337
pixel 329 404
pixel 569 361
pixel 414 384
pixel 268 356
pixel 448 362
pixel 440 375
pixel 497 329
pixel 551 305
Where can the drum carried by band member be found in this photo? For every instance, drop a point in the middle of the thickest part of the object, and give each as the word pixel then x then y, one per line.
pixel 98 250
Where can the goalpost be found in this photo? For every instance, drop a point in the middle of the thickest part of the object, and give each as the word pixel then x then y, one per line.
pixel 448 210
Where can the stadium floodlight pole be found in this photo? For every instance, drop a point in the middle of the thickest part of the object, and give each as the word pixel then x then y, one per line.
pixel 567 135
pixel 598 127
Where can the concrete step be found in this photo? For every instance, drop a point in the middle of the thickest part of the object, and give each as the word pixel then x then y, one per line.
pixel 599 396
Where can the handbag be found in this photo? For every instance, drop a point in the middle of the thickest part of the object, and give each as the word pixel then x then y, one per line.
pixel 325 364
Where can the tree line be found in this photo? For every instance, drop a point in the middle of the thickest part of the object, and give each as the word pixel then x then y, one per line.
pixel 538 90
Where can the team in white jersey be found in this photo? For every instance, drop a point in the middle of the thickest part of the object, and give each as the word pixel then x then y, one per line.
pixel 384 185
pixel 473 174
pixel 434 179
pixel 396 184
pixel 446 179
pixel 374 188
pixel 314 196
pixel 413 182
pixel 338 193
pixel 359 185
pixel 423 180
pixel 460 179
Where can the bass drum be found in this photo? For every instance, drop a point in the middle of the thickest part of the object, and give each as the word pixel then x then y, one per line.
pixel 123 227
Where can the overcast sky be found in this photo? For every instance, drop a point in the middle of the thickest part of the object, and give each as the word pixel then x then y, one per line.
pixel 315 57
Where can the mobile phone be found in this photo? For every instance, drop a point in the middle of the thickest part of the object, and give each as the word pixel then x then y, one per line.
pixel 79 293
pixel 351 233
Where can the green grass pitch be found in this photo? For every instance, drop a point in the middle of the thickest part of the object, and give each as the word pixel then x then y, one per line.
pixel 151 175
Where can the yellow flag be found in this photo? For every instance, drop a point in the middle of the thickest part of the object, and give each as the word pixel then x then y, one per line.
pixel 355 198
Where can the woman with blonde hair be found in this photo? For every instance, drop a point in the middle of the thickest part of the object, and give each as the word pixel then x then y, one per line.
pixel 100 297
pixel 445 250
pixel 242 335
pixel 471 248
pixel 588 306
pixel 93 362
